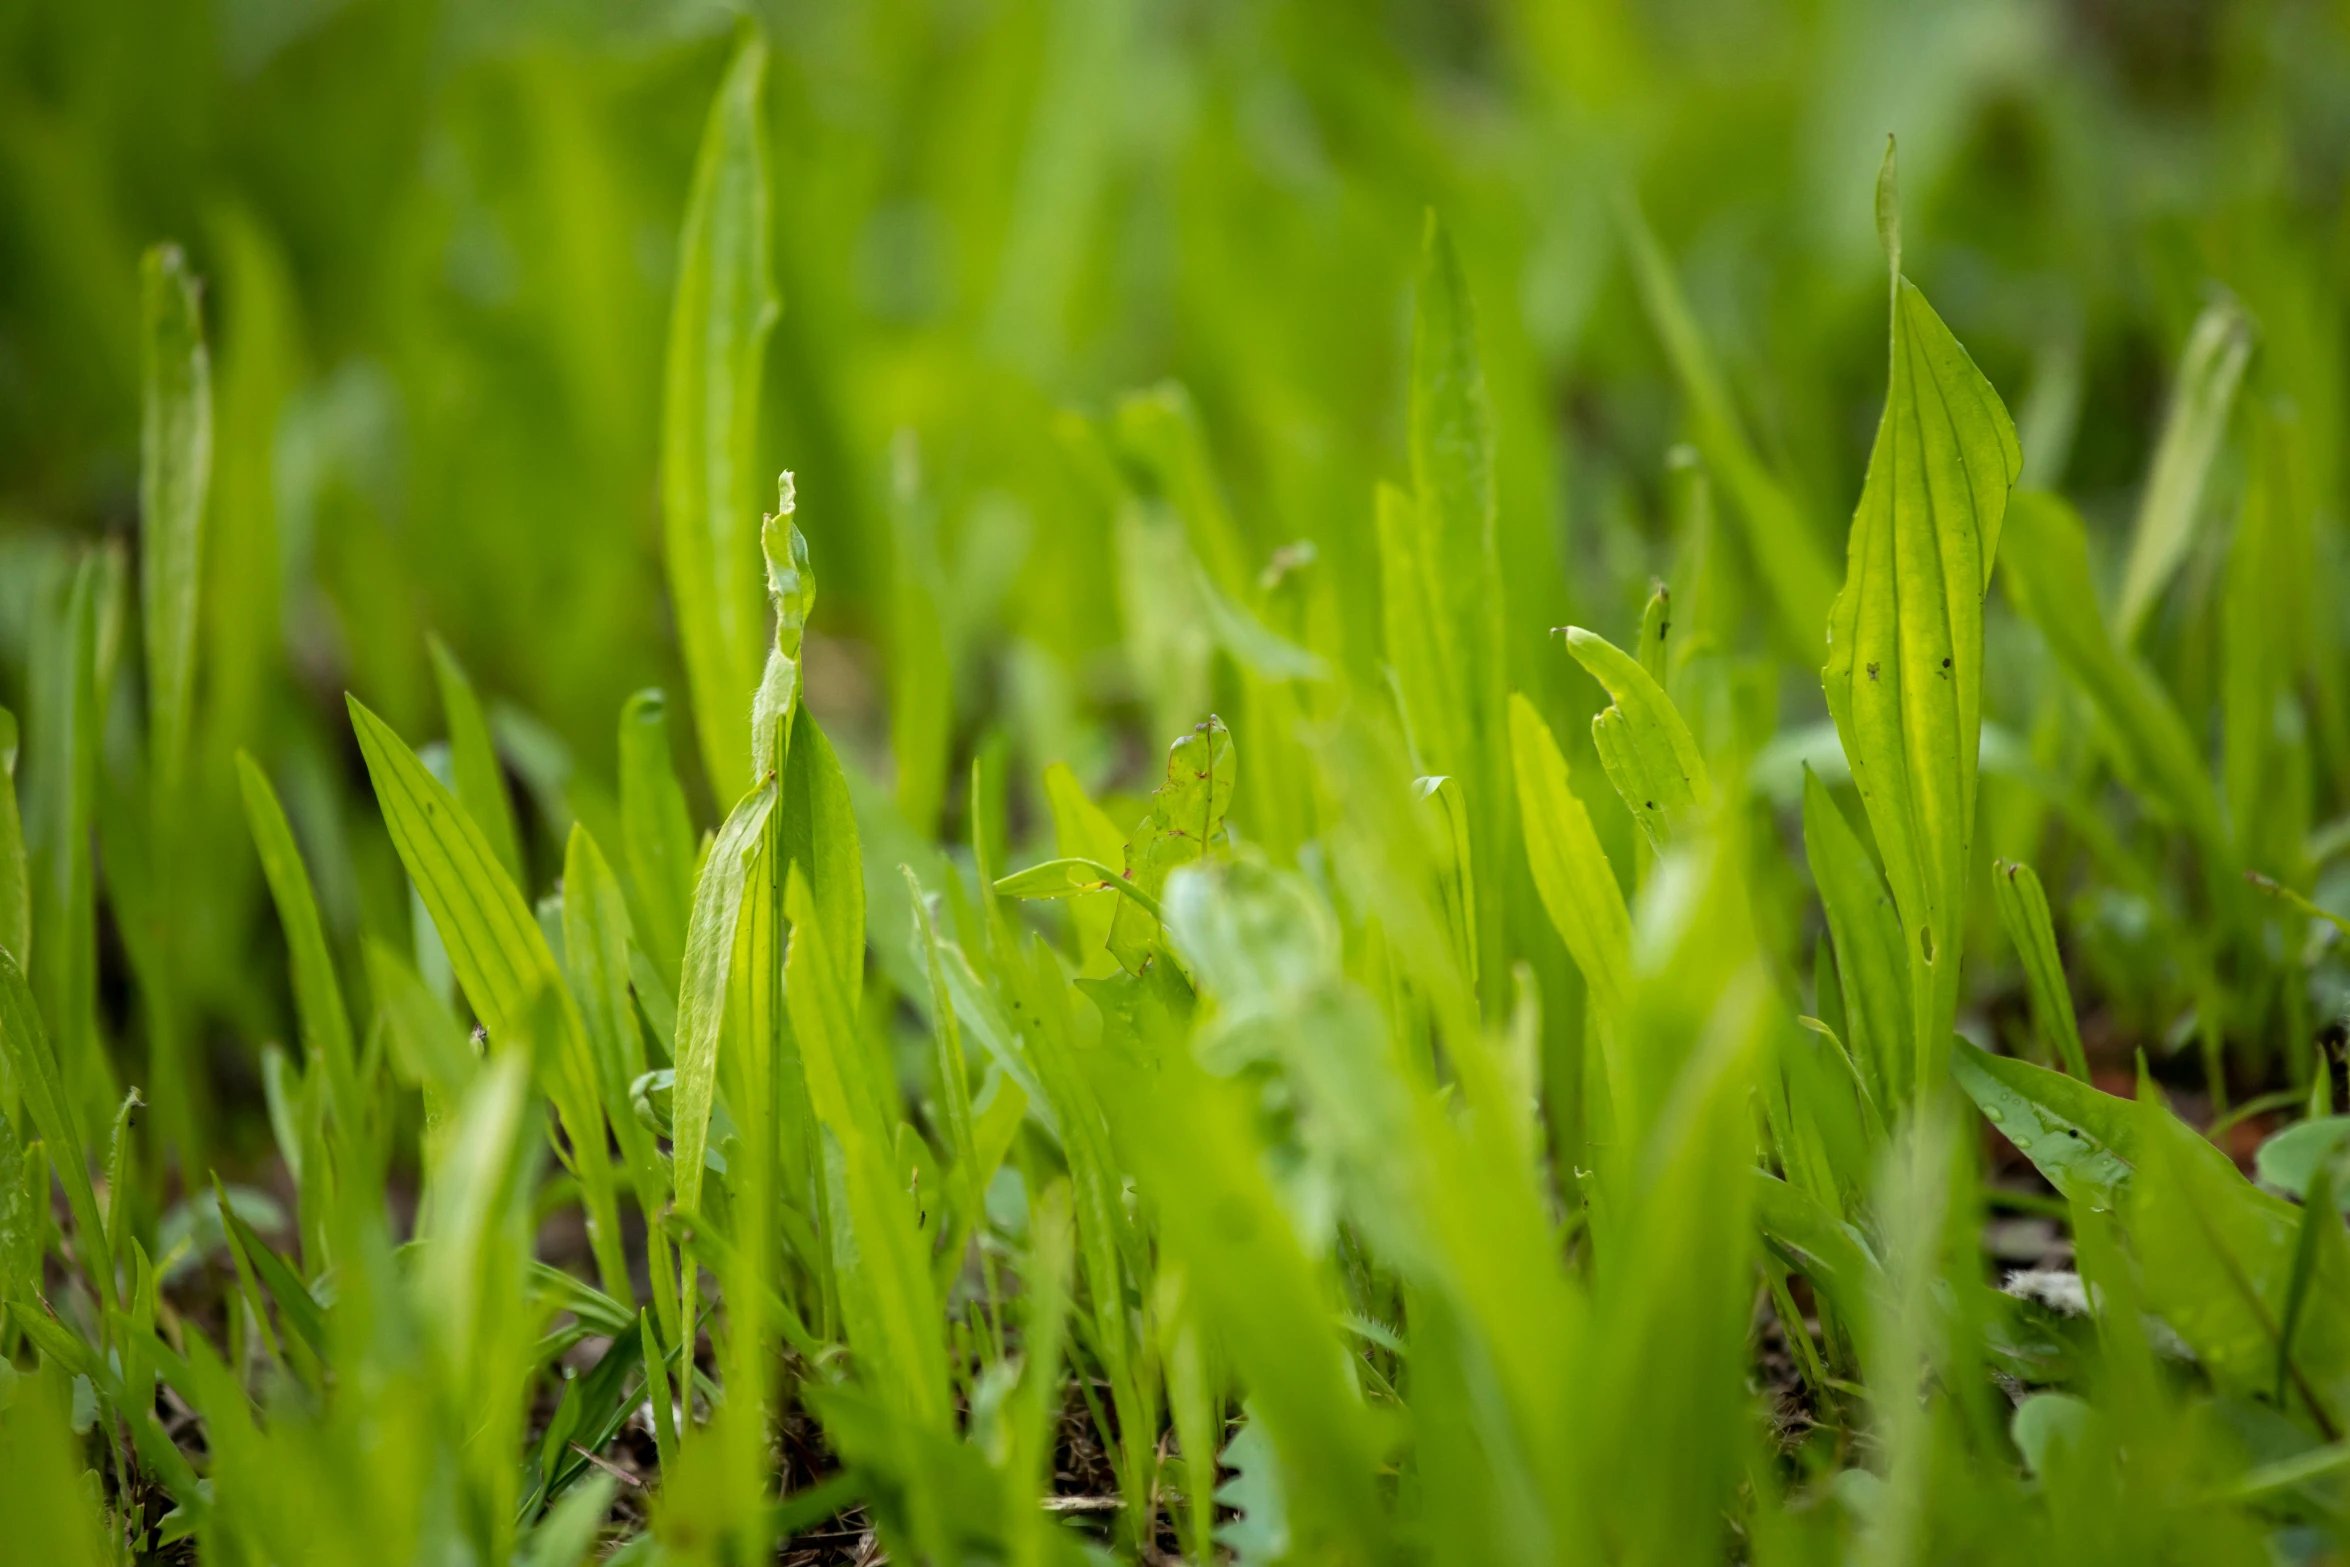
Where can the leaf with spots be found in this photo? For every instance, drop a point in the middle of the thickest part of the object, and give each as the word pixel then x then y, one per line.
pixel 1905 641
pixel 1644 746
pixel 1185 825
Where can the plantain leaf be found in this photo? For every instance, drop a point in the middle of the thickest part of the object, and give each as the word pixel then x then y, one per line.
pixel 175 479
pixel 500 957
pixel 2023 909
pixel 720 315
pixel 701 991
pixel 2210 370
pixel 318 994
pixel 2084 1141
pixel 1185 826
pixel 1644 747
pixel 1905 640
pixel 1571 871
pixel 473 758
pixel 2216 1260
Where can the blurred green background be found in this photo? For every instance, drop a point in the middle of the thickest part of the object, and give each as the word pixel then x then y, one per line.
pixel 440 241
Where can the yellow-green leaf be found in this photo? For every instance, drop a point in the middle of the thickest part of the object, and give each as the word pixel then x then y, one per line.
pixel 1644 746
pixel 1905 641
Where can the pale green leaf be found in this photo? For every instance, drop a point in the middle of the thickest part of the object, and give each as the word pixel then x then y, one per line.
pixel 1571 871
pixel 701 992
pixel 2210 370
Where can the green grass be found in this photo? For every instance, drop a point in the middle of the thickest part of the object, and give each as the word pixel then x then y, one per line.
pixel 1338 939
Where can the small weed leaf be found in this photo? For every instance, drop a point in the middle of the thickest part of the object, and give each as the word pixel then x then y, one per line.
pixel 1185 827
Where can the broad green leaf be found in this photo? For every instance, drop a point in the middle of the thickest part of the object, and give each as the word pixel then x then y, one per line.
pixel 318 994
pixel 16 884
pixel 1185 826
pixel 499 954
pixel 1645 748
pixel 2215 1259
pixel 175 478
pixel 1866 931
pixel 2084 1141
pixel 2048 576
pixel 42 1088
pixel 1571 871
pixel 701 992
pixel 2209 372
pixel 2287 1161
pixel 657 834
pixel 1905 641
pixel 720 315
pixel 1779 539
pixel 2023 909
pixel 473 759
